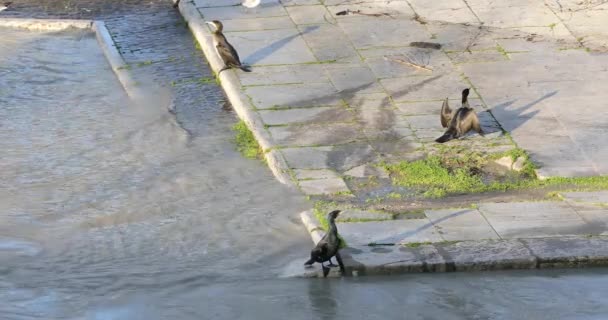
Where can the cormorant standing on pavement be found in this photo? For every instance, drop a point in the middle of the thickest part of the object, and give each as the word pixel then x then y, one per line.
pixel 328 246
pixel 225 49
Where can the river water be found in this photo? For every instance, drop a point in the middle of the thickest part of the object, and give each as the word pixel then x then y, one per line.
pixel 110 209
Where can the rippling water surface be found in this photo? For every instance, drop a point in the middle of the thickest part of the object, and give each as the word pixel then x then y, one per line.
pixel 109 209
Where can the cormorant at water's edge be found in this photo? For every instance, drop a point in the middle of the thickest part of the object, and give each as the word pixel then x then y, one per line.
pixel 328 246
pixel 224 49
pixel 464 120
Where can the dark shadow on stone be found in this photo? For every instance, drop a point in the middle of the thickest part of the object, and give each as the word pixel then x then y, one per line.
pixel 423 227
pixel 516 117
pixel 268 50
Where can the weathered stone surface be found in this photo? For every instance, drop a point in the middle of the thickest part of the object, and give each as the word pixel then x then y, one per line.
pixel 253 24
pixel 595 197
pixel 307 115
pixel 366 170
pixel 505 161
pixel 569 252
pixel 309 14
pixel 461 224
pixel 534 219
pixel 304 174
pixel 285 74
pixel 306 95
pixel 323 186
pixel 397 231
pixel 310 135
pixel 354 215
pixel 340 158
pixel 280 46
pixel 488 255
pixel 518 165
pixel 271 9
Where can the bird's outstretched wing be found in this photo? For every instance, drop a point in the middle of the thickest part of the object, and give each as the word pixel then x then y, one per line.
pixel 446 114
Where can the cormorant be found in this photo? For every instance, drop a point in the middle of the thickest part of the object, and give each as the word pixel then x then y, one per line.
pixel 328 246
pixel 225 49
pixel 461 122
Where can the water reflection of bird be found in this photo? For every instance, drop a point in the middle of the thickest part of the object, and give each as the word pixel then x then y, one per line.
pixel 224 49
pixel 5 6
pixel 328 246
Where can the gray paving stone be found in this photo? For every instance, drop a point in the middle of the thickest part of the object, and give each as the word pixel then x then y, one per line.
pixel 340 158
pixel 425 122
pixel 364 33
pixel 459 37
pixel 422 108
pixel 568 252
pixel 281 46
pixel 323 186
pixel 350 215
pixel 534 219
pixel 315 134
pixel 329 43
pixel 307 158
pixel 366 170
pixel 252 24
pixel 215 3
pixel 489 255
pixel 477 57
pixel 303 174
pixel 345 78
pixel 461 224
pixel 589 196
pixel 270 9
pixel 454 11
pixel 397 231
pixel 531 14
pixel 294 96
pixel 309 14
pixel 384 61
pixel 307 115
pixel 300 2
pixel 434 87
pixel 285 74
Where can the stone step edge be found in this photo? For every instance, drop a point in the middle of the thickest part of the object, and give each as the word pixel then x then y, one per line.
pixel 477 255
pixel 232 87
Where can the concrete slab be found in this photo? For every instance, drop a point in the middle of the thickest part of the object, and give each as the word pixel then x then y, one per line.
pixel 253 24
pixel 263 47
pixel 568 252
pixel 382 232
pixel 340 158
pixel 293 96
pixel 354 77
pixel 285 74
pixel 323 186
pixel 461 224
pixel 307 115
pixel 486 254
pixel 315 134
pixel 366 170
pixel 592 197
pixel 303 174
pixel 309 14
pixel 426 88
pixel 272 8
pixel 329 43
pixel 534 219
pixel 354 215
pixel 365 34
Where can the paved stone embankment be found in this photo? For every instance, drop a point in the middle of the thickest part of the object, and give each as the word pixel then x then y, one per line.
pixel 331 96
pixel 332 92
pixel 487 236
